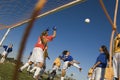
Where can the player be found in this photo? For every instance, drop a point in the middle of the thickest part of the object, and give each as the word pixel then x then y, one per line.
pixel 38 51
pixel 55 67
pixel 7 49
pixel 101 63
pixel 28 64
pixel 68 61
pixel 116 57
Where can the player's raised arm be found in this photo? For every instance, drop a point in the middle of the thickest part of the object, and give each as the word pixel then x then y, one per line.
pixel 54 32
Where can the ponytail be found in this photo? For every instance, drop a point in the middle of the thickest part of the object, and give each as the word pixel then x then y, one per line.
pixel 104 48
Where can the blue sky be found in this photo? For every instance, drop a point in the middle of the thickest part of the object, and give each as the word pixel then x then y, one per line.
pixel 73 34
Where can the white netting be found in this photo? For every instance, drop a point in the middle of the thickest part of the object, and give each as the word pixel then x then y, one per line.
pixel 13 12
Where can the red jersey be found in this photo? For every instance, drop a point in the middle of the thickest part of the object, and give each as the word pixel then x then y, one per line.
pixel 39 42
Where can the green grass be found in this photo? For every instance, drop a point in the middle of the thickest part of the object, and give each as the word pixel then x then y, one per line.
pixel 6 73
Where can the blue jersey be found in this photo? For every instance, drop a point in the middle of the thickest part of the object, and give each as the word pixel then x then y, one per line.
pixel 67 58
pixel 103 59
pixel 8 50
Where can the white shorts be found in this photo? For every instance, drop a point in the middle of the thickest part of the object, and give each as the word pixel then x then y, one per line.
pixel 37 55
pixel 4 53
pixel 98 73
pixel 55 68
pixel 65 65
pixel 116 64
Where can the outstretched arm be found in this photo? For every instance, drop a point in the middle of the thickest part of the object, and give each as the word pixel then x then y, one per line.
pixel 54 32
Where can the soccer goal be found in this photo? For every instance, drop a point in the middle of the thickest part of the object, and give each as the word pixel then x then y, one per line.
pixel 14 13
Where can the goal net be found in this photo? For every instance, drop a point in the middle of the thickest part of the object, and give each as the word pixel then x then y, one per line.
pixel 14 13
pixel 17 12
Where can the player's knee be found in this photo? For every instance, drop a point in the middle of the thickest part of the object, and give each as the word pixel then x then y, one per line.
pixel 30 62
pixel 40 64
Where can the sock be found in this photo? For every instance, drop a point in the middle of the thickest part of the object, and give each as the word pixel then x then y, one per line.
pixel 76 65
pixel 2 60
pixel 62 78
pixel 29 67
pixel 24 66
pixel 33 69
pixel 37 72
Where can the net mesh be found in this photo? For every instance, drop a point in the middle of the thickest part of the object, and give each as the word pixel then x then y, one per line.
pixel 15 11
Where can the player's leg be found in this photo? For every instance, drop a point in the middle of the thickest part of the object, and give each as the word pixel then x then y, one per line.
pixel 42 71
pixel 30 61
pixel 115 66
pixel 119 66
pixel 34 68
pixel 25 65
pixel 63 74
pixel 65 66
pixel 38 69
pixel 39 59
pixel 53 72
pixel 98 71
pixel 77 66
pixel 3 57
pixel 29 68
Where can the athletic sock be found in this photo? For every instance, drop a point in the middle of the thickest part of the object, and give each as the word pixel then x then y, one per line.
pixel 76 65
pixel 2 60
pixel 33 69
pixel 24 66
pixel 37 72
pixel 29 67
pixel 62 78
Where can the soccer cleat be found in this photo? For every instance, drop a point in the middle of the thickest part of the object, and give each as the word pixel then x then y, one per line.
pixel 19 70
pixel 29 73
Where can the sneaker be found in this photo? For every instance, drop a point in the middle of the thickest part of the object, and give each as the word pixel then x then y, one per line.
pixel 19 70
pixel 29 73
pixel 40 78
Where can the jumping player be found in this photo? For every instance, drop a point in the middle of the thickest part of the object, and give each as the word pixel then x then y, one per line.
pixel 38 51
pixel 7 50
pixel 68 61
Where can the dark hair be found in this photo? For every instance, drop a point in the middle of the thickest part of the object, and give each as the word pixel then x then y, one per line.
pixel 42 39
pixel 44 33
pixel 64 52
pixel 104 48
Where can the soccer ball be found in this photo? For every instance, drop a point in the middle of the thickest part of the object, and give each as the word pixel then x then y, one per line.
pixel 87 20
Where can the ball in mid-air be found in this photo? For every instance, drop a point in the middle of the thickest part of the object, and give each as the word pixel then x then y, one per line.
pixel 87 20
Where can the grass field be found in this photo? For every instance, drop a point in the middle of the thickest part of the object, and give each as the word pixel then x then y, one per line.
pixel 6 73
